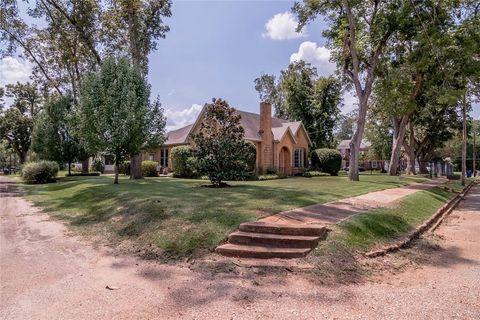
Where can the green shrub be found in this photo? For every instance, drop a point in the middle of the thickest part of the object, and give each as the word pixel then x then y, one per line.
pixel 192 167
pixel 310 174
pixel 125 168
pixel 149 168
pixel 271 177
pixel 271 171
pixel 327 160
pixel 98 165
pixel 40 172
pixel 182 166
pixel 250 156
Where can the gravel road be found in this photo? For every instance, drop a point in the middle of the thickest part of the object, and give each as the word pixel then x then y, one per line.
pixel 48 274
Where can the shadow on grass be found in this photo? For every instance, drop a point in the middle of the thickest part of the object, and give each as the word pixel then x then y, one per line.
pixel 179 217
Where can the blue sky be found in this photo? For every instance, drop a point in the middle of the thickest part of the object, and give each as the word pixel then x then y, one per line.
pixel 217 49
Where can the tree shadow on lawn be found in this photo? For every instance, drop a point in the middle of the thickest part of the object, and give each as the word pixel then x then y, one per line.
pixel 178 216
pixel 179 223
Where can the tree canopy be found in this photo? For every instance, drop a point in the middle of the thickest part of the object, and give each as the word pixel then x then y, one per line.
pixel 53 135
pixel 300 95
pixel 221 152
pixel 115 113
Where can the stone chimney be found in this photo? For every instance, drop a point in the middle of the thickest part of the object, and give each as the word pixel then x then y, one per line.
pixel 266 134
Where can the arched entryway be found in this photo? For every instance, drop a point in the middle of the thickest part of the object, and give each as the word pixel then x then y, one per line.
pixel 285 161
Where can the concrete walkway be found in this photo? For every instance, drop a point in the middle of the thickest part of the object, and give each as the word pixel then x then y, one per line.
pixel 333 212
pixel 294 233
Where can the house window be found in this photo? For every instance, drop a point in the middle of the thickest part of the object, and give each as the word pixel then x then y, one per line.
pixel 299 158
pixel 374 164
pixel 164 157
pixel 151 156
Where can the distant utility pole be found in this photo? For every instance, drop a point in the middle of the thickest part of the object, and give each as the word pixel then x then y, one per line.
pixel 464 138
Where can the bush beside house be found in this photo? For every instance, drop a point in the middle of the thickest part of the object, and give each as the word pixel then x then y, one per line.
pixel 182 161
pixel 40 172
pixel 149 168
pixel 327 160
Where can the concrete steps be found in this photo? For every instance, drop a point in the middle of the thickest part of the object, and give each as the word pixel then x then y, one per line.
pixel 268 240
pixel 274 240
pixel 290 229
pixel 261 252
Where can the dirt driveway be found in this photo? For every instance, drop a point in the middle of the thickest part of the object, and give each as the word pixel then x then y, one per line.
pixel 47 274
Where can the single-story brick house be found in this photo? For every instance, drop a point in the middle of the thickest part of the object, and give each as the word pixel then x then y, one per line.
pixel 344 148
pixel 280 144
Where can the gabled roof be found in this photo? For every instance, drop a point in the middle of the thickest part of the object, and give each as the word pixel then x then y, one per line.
pixel 249 121
pixel 280 132
pixel 345 144
pixel 178 136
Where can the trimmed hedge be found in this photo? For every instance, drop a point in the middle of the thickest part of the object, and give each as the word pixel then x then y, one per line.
pixel 327 160
pixel 149 168
pixel 182 161
pixel 40 172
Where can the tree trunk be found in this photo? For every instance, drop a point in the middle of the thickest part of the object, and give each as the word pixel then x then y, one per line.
pixel 69 168
pixel 464 138
pixel 117 169
pixel 136 60
pixel 399 128
pixel 357 137
pixel 474 165
pixel 85 164
pixel 410 150
pixel 422 166
pixel 136 167
pixel 22 157
pixel 410 162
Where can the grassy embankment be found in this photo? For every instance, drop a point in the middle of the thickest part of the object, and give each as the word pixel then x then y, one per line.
pixel 340 255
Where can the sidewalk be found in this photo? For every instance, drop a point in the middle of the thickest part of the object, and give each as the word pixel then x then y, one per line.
pixel 333 212
pixel 294 233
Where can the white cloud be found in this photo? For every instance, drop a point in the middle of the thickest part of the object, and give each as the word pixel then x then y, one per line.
pixel 282 27
pixel 350 102
pixel 180 118
pixel 319 57
pixel 13 70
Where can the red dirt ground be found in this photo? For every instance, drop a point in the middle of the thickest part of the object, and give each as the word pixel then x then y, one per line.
pixel 47 274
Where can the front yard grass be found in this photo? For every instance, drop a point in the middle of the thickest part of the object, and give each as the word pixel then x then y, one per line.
pixel 174 218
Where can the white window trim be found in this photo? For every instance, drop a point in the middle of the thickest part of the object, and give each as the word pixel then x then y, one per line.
pixel 300 158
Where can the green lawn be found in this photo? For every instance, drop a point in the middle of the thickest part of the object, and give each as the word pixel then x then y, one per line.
pixel 164 217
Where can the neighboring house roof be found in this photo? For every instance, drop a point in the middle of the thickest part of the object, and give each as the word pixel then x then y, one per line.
pixel 251 124
pixel 345 144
